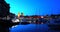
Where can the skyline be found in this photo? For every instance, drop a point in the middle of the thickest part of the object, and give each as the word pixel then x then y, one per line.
pixel 34 7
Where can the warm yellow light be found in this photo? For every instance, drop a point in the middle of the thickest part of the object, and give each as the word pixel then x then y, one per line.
pixel 18 14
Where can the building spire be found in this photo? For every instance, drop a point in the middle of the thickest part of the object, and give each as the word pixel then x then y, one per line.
pixel 18 14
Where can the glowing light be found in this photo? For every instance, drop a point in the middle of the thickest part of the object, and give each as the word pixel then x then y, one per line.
pixel 15 21
pixel 18 14
pixel 14 26
pixel 42 17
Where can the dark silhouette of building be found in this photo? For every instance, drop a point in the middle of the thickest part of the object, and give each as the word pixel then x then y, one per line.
pixel 4 12
pixel 4 8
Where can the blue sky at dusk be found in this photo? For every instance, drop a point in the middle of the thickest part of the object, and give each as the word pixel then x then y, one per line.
pixel 34 7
